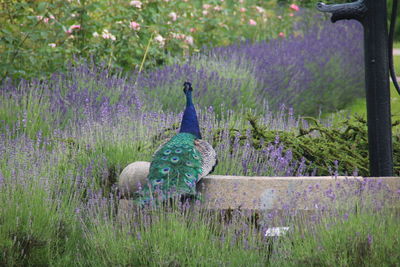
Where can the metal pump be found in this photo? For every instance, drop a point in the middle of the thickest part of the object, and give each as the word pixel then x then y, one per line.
pixel 372 15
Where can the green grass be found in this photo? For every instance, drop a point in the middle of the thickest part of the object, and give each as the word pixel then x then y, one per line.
pixel 359 105
pixel 356 240
pixel 396 45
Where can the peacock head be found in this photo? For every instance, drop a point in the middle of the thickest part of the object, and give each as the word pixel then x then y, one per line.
pixel 187 86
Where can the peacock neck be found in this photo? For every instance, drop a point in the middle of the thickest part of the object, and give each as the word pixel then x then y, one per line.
pixel 189 101
pixel 190 123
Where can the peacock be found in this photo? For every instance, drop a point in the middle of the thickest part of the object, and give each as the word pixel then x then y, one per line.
pixel 181 161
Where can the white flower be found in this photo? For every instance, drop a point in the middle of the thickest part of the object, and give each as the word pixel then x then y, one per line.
pixel 160 40
pixel 52 45
pixel 107 35
pixel 136 4
pixel 173 16
pixel 189 40
pixel 179 36
pixel 95 34
pixel 260 9
pixel 217 8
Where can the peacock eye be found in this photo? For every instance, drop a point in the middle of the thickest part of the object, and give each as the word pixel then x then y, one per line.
pixel 196 156
pixel 164 157
pixel 174 159
pixel 178 151
pixel 165 170
pixel 158 181
pixel 189 163
pixel 167 152
pixel 189 175
pixel 190 183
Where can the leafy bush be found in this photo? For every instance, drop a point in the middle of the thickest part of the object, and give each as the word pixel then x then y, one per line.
pixel 338 149
pixel 38 37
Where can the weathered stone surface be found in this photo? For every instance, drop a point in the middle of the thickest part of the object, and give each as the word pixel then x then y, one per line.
pixel 133 175
pixel 264 193
pixel 304 193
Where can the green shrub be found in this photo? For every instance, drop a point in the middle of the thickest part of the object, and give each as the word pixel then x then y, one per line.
pixel 38 37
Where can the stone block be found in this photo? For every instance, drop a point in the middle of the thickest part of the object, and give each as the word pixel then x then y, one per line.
pixel 301 193
pixel 265 193
pixel 133 175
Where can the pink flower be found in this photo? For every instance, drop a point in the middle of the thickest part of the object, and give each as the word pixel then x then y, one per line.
pixel 75 27
pixel 294 7
pixel 173 16
pixel 252 22
pixel 134 25
pixel 206 6
pixel 242 9
pixel 217 8
pixel 192 29
pixel 279 17
pixel 205 12
pixel 39 17
pixel 281 34
pixel 136 4
pixel 291 14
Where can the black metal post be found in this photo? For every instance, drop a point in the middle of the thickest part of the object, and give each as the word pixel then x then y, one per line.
pixel 373 16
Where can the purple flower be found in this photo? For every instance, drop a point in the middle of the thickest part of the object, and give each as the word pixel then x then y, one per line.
pixel 370 239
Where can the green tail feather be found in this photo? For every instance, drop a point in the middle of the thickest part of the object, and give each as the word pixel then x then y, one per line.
pixel 175 169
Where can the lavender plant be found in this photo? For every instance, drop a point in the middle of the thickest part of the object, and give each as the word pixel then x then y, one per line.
pixel 64 141
pixel 59 206
pixel 319 68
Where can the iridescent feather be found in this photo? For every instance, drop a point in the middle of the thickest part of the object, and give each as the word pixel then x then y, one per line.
pixel 181 162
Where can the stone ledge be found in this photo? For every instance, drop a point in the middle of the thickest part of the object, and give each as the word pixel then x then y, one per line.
pixel 264 193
